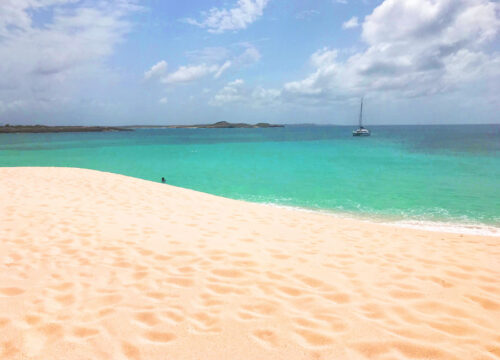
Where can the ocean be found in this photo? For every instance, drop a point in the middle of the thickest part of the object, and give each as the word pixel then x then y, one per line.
pixel 442 176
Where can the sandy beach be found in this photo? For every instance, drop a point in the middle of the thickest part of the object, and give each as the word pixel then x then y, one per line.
pixel 96 265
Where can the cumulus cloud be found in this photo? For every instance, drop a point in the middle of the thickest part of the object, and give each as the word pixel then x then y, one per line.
pixel 455 21
pixel 236 92
pixel 239 17
pixel 193 72
pixel 413 49
pixel 351 23
pixel 14 14
pixel 156 70
pixel 232 92
pixel 249 56
pixel 41 63
pixel 189 73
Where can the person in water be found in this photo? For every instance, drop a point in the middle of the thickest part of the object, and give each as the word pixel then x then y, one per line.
pixel 163 180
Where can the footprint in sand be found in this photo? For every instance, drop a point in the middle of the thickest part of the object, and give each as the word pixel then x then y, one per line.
pixel 267 337
pixel 131 351
pixel 11 291
pixel 314 338
pixel 339 298
pixel 159 336
pixel 147 318
pixel 4 322
pixel 84 332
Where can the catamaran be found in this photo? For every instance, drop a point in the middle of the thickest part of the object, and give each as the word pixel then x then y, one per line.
pixel 361 131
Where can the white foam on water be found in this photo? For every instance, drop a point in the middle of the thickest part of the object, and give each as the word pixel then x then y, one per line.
pixel 447 227
pixel 470 229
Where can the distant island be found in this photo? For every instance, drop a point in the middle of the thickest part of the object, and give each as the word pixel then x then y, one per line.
pixel 217 125
pixel 6 129
pixel 57 129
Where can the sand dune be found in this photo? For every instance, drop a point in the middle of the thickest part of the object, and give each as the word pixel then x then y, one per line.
pixel 102 266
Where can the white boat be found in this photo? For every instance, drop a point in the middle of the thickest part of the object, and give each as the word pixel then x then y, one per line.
pixel 361 131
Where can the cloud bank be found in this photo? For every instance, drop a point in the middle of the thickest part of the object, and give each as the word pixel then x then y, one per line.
pixel 412 49
pixel 41 62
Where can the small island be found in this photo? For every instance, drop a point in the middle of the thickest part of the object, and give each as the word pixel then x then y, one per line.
pixel 225 125
pixel 7 129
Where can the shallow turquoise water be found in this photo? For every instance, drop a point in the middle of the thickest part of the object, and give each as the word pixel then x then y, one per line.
pixel 437 173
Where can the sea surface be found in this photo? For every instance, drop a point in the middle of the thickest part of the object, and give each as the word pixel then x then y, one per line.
pixel 426 176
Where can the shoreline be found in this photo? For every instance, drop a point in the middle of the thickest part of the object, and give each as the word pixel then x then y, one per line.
pixel 427 225
pixel 452 227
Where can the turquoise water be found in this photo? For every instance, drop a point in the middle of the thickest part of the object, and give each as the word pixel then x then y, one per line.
pixel 432 173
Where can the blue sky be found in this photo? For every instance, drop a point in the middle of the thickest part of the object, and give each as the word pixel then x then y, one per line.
pixel 170 62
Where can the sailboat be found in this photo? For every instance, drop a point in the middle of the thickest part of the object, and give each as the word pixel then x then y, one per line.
pixel 361 131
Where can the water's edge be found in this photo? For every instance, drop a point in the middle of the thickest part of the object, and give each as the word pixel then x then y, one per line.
pixel 435 226
pixel 411 177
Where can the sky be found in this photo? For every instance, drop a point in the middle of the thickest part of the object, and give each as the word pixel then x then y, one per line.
pixel 124 62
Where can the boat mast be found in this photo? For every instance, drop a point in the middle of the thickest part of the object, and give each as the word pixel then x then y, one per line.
pixel 361 114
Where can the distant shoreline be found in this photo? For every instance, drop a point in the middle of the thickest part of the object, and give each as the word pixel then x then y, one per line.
pixel 12 129
pixel 217 125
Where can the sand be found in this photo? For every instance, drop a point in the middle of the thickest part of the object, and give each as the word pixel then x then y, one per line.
pixel 102 266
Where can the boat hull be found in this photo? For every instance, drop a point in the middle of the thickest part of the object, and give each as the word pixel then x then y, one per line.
pixel 361 133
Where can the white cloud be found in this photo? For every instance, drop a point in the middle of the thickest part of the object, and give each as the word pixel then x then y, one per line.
pixel 235 92
pixel 163 100
pixel 239 17
pixel 232 92
pixel 455 21
pixel 15 14
pixel 214 55
pixel 249 56
pixel 261 96
pixel 351 23
pixel 156 70
pixel 189 73
pixel 413 49
pixel 323 56
pixel 46 64
pixel 193 72
pixel 223 68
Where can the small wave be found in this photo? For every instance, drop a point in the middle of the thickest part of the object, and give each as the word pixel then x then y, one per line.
pixel 466 228
pixel 471 229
